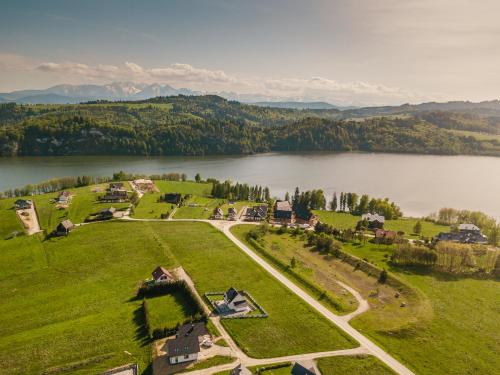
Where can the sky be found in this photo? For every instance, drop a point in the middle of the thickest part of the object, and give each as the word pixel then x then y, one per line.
pixel 352 52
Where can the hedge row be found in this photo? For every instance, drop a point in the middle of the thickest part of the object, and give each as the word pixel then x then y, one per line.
pixel 156 290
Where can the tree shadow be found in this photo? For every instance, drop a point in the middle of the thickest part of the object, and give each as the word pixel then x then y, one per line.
pixel 141 331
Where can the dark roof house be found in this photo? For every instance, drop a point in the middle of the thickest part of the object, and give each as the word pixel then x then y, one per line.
pixel 174 198
pixel 283 210
pixel 240 370
pixel 299 369
pixel 235 300
pixel 23 204
pixel 256 213
pixel 64 227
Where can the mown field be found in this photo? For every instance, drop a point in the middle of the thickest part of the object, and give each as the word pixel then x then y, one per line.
pixel 68 303
pixel 150 207
pixel 9 222
pixel 216 264
pixel 450 322
pixel 170 309
pixel 342 220
pixel 357 365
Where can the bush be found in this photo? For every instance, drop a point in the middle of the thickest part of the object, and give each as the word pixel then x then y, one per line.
pixel 382 278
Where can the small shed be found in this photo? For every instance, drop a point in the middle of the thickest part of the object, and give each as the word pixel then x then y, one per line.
pixel 64 228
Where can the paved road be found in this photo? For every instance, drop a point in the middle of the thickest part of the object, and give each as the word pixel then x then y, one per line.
pixel 366 345
pixel 339 321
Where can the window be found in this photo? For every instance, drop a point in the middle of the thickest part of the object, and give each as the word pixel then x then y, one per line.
pixel 186 356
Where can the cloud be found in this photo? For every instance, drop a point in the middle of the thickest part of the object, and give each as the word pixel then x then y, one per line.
pixel 206 80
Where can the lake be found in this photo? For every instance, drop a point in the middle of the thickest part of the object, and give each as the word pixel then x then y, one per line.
pixel 420 184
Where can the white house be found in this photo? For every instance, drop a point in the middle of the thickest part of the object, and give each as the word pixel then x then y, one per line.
pixel 235 300
pixel 161 275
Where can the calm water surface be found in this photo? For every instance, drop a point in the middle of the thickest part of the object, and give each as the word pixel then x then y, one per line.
pixel 420 184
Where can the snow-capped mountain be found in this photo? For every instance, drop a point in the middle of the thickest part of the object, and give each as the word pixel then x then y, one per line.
pixel 77 93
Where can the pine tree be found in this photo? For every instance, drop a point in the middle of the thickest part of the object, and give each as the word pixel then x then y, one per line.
pixel 333 203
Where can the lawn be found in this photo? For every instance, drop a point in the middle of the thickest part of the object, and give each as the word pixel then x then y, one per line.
pixel 342 220
pixel 9 222
pixel 285 247
pixel 69 300
pixel 150 207
pixel 168 310
pixel 353 365
pixel 215 264
pixel 83 203
pixel 90 279
pixel 210 362
pixel 203 208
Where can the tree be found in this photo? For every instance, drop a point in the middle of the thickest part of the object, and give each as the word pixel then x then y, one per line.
pixel 342 201
pixel 382 278
pixel 197 178
pixel 296 197
pixel 363 205
pixel 287 197
pixel 333 203
pixel 417 228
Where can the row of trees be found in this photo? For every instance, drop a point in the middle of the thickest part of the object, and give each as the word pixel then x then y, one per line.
pixel 352 203
pixel 448 256
pixel 55 184
pixel 311 199
pixel 227 190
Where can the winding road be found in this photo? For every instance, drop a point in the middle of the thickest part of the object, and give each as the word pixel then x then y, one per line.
pixel 366 345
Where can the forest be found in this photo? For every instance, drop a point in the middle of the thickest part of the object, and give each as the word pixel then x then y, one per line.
pixel 210 125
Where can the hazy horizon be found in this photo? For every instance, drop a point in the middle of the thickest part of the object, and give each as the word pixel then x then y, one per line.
pixel 342 52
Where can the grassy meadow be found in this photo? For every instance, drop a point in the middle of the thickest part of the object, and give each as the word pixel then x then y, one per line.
pixel 68 303
pixel 447 320
pixel 9 222
pixel 170 309
pixel 215 265
pixel 343 220
pixel 150 207
pixel 84 202
pixel 353 365
pixel 285 247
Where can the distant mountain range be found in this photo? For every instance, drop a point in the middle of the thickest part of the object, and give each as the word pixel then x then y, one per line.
pixel 129 91
pixel 68 94
pixel 300 105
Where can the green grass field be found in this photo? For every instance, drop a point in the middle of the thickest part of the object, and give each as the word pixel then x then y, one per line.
pixel 461 332
pixel 449 321
pixel 203 210
pixel 285 247
pixel 342 220
pixel 9 221
pixel 83 203
pixel 170 309
pixel 150 207
pixel 69 300
pixel 67 303
pixel 216 264
pixel 357 365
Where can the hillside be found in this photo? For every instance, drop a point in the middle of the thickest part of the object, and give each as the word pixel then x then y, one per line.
pixel 203 125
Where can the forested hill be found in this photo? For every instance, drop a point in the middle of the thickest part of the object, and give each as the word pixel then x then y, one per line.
pixel 203 125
